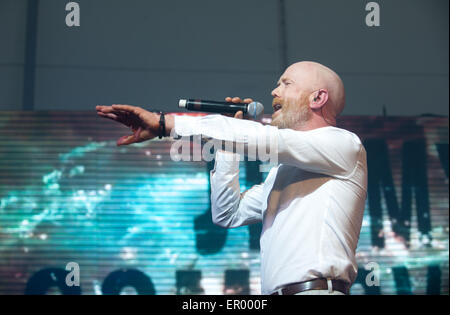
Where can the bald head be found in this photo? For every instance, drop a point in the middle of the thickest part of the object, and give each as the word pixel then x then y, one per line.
pixel 308 96
pixel 313 76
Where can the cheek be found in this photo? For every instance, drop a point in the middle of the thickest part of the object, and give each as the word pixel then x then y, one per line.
pixel 291 96
pixel 295 98
pixel 290 101
pixel 287 107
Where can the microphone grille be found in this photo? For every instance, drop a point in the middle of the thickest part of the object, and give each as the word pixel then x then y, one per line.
pixel 255 110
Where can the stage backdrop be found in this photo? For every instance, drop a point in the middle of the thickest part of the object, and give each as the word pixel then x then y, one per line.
pixel 133 220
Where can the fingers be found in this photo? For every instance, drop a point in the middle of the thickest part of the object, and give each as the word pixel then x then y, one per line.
pixel 109 110
pixel 106 109
pixel 119 116
pixel 128 108
pixel 111 107
pixel 233 100
pixel 238 100
pixel 125 109
pixel 139 115
pixel 109 115
pixel 239 114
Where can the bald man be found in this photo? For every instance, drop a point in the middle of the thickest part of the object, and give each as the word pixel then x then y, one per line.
pixel 312 202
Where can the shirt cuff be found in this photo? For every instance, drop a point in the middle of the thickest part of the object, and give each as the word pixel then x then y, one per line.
pixel 184 125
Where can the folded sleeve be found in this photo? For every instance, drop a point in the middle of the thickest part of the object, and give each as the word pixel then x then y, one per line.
pixel 328 150
pixel 230 208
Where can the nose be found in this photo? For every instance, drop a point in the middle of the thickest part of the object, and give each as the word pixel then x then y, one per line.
pixel 275 92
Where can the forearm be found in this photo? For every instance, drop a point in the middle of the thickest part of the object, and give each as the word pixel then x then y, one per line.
pixel 225 189
pixel 229 207
pixel 250 138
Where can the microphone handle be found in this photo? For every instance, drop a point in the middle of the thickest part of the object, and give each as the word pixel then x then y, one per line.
pixel 216 107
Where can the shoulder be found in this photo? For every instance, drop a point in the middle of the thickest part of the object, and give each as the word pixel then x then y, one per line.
pixel 338 136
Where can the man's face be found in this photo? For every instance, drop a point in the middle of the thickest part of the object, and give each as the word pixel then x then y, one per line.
pixel 290 102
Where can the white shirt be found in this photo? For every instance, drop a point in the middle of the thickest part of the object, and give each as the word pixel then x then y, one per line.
pixel 311 204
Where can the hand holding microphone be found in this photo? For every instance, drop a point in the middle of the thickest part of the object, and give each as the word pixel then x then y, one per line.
pixel 239 114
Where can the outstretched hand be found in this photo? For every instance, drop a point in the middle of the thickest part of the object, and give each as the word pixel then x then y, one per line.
pixel 144 124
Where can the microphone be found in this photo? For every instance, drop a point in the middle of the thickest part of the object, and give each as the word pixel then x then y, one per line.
pixel 253 110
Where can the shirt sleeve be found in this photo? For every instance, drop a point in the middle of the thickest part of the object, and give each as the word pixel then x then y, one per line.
pixel 229 207
pixel 329 150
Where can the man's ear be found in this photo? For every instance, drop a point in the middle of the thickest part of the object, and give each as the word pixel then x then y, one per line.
pixel 319 99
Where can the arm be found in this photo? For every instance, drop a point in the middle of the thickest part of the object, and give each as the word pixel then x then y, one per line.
pixel 229 207
pixel 331 151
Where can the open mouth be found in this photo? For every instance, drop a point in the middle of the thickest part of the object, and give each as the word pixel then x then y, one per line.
pixel 276 107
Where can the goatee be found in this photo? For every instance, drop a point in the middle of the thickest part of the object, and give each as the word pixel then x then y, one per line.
pixel 292 116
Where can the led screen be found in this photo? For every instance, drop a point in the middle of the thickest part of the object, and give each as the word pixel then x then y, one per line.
pixel 135 221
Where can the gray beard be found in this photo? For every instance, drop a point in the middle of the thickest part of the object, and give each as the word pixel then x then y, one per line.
pixel 292 119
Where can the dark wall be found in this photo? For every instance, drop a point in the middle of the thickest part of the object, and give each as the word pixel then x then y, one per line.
pixel 151 53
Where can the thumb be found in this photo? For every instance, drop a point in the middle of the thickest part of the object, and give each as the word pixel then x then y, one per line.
pixel 125 140
pixel 239 115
